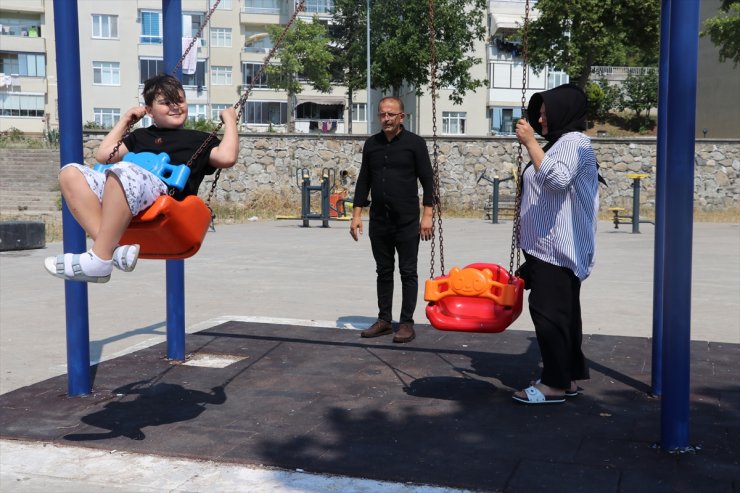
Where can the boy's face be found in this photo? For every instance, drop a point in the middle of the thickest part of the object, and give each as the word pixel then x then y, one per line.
pixel 168 114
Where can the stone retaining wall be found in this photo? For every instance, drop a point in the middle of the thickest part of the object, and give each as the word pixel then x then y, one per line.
pixel 268 164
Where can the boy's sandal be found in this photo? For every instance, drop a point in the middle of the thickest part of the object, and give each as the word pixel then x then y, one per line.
pixel 55 267
pixel 121 254
pixel 533 395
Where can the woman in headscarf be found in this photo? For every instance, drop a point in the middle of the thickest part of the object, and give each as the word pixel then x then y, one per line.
pixel 560 201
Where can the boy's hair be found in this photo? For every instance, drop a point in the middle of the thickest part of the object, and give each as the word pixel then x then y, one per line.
pixel 166 85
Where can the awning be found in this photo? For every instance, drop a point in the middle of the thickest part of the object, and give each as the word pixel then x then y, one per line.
pixel 324 100
pixel 506 21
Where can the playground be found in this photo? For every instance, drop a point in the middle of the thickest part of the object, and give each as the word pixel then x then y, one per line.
pixel 281 379
pixel 283 392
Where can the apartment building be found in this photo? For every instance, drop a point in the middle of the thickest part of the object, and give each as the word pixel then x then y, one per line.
pixel 121 46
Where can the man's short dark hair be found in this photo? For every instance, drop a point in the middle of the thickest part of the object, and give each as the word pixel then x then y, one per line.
pixel 166 85
pixel 392 98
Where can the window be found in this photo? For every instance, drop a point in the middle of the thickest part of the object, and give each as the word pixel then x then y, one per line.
pixel 107 117
pixel 555 79
pixel 266 113
pixel 503 120
pixel 262 6
pixel 249 73
pixel 17 104
pixel 453 122
pixel 221 76
pixel 23 64
pixel 359 112
pixel 221 37
pixel 107 73
pixel 224 5
pixel 320 6
pixel 216 110
pixel 148 68
pixel 104 26
pixel 191 25
pixel 151 27
pixel 197 112
pixel 19 24
pixel 197 79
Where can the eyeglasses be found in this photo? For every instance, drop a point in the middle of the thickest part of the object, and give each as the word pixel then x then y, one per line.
pixel 388 114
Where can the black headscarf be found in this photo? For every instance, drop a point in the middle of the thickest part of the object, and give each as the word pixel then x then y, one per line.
pixel 565 109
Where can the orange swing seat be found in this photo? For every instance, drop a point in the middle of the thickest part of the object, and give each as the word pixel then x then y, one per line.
pixel 170 229
pixel 477 298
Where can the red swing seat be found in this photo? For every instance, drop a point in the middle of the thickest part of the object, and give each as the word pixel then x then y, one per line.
pixel 169 229
pixel 477 298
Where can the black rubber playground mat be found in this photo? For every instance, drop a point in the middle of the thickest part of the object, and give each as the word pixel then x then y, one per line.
pixel 435 411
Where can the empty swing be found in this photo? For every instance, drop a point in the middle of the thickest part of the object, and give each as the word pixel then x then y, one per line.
pixel 480 297
pixel 172 229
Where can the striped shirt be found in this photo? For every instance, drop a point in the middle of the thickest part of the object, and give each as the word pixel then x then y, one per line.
pixel 560 204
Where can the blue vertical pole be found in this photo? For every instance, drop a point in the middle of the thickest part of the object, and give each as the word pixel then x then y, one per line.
pixel 175 270
pixel 682 74
pixel 660 198
pixel 67 42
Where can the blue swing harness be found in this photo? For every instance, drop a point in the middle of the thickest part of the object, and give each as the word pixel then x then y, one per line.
pixel 173 175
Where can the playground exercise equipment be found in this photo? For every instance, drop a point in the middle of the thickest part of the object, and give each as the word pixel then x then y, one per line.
pixel 333 205
pixel 618 212
pixel 494 204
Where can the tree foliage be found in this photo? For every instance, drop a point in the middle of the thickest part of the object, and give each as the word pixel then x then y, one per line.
pixel 602 98
pixel 303 56
pixel 724 31
pixel 573 36
pixel 400 36
pixel 348 32
pixel 640 94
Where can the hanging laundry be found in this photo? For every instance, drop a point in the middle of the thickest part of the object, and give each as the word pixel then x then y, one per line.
pixel 190 63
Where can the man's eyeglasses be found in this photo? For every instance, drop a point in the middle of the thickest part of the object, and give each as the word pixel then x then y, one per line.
pixel 388 114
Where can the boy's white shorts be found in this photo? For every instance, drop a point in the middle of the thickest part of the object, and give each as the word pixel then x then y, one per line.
pixel 140 186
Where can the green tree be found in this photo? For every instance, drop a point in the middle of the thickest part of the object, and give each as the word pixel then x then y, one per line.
pixel 349 47
pixel 602 98
pixel 724 31
pixel 303 55
pixel 640 94
pixel 400 44
pixel 575 35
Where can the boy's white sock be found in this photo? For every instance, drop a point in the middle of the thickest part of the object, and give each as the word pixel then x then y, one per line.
pixel 92 265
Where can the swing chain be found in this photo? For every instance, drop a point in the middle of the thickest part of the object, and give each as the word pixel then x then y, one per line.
pixel 174 71
pixel 436 196
pixel 515 250
pixel 240 103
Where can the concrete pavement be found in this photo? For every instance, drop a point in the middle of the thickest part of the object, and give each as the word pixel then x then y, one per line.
pixel 278 271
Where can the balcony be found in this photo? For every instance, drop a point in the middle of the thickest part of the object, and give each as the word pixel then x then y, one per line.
pixel 263 12
pixel 23 44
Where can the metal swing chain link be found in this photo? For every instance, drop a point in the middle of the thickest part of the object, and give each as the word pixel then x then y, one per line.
pixel 436 195
pixel 515 250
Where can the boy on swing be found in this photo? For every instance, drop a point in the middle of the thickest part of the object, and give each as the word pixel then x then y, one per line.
pixel 104 203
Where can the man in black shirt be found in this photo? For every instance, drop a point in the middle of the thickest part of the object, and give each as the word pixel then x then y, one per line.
pixel 394 161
